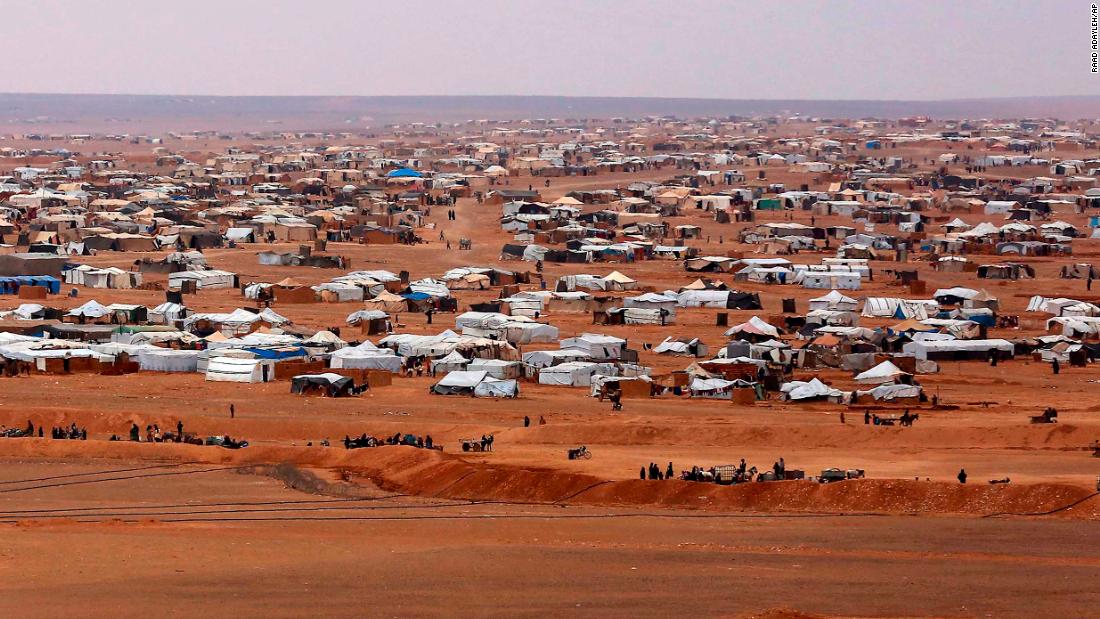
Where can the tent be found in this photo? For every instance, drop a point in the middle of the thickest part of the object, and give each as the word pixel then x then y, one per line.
pixel 954 349
pixel 885 372
pixel 574 373
pixel 684 346
pixel 886 307
pixel 168 360
pixel 617 281
pixel 891 392
pixel 835 300
pixel 325 339
pixel 597 346
pixel 327 384
pixel 495 368
pixel 496 388
pixel 366 356
pixel 237 370
pixel 204 280
pixel 449 363
pixel 91 309
pixel 476 383
pixel 547 358
pixel 387 302
pixel 403 173
pixel 652 300
pixel 811 390
pixel 753 327
pixel 715 388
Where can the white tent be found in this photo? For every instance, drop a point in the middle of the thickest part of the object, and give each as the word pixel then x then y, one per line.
pixel 753 326
pixel 167 312
pixel 477 383
pixel 168 360
pixel 457 382
pixel 495 368
pixel 802 390
pixel 91 309
pixel 574 373
pixel 547 358
pixel 617 281
pixel 451 363
pixel 366 356
pixel 237 370
pixel 496 388
pixel 204 280
pixel 828 279
pixel 597 346
pixel 712 388
pixel 654 301
pixel 835 300
pixel 931 349
pixel 893 392
pixel 325 339
pixel 884 372
pixel 886 307
pixel 681 346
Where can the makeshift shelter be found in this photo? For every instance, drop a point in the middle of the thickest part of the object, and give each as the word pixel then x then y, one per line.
pixel 327 384
pixel 836 301
pixel 475 383
pixel 753 329
pixel 452 362
pixel 885 372
pixel 573 373
pixel 239 370
pixel 167 360
pixel 366 356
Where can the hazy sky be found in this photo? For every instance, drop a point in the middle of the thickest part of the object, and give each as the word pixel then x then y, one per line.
pixel 675 48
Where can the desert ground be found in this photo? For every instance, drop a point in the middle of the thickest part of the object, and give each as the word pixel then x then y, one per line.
pixel 287 528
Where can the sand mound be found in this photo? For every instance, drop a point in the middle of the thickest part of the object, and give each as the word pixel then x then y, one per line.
pixel 429 473
pixel 851 436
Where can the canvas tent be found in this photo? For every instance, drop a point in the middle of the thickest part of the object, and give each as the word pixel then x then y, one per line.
pixel 366 356
pixel 885 372
pixel 238 370
pixel 327 384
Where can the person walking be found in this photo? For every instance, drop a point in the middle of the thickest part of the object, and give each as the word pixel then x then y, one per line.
pixel 232 411
pixel 962 476
pixel 669 471
pixel 1055 366
pixel 526 421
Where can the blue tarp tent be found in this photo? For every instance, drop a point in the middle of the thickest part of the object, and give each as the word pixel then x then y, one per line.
pixel 277 353
pixel 11 285
pixel 403 173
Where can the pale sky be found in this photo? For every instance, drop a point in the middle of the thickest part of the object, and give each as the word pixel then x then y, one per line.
pixel 877 49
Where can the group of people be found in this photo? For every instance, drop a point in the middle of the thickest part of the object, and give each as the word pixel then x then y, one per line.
pixel 487 442
pixel 527 421
pixel 654 472
pixel 15 432
pixel 418 365
pixel 71 433
pixel 153 433
pixel 411 440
